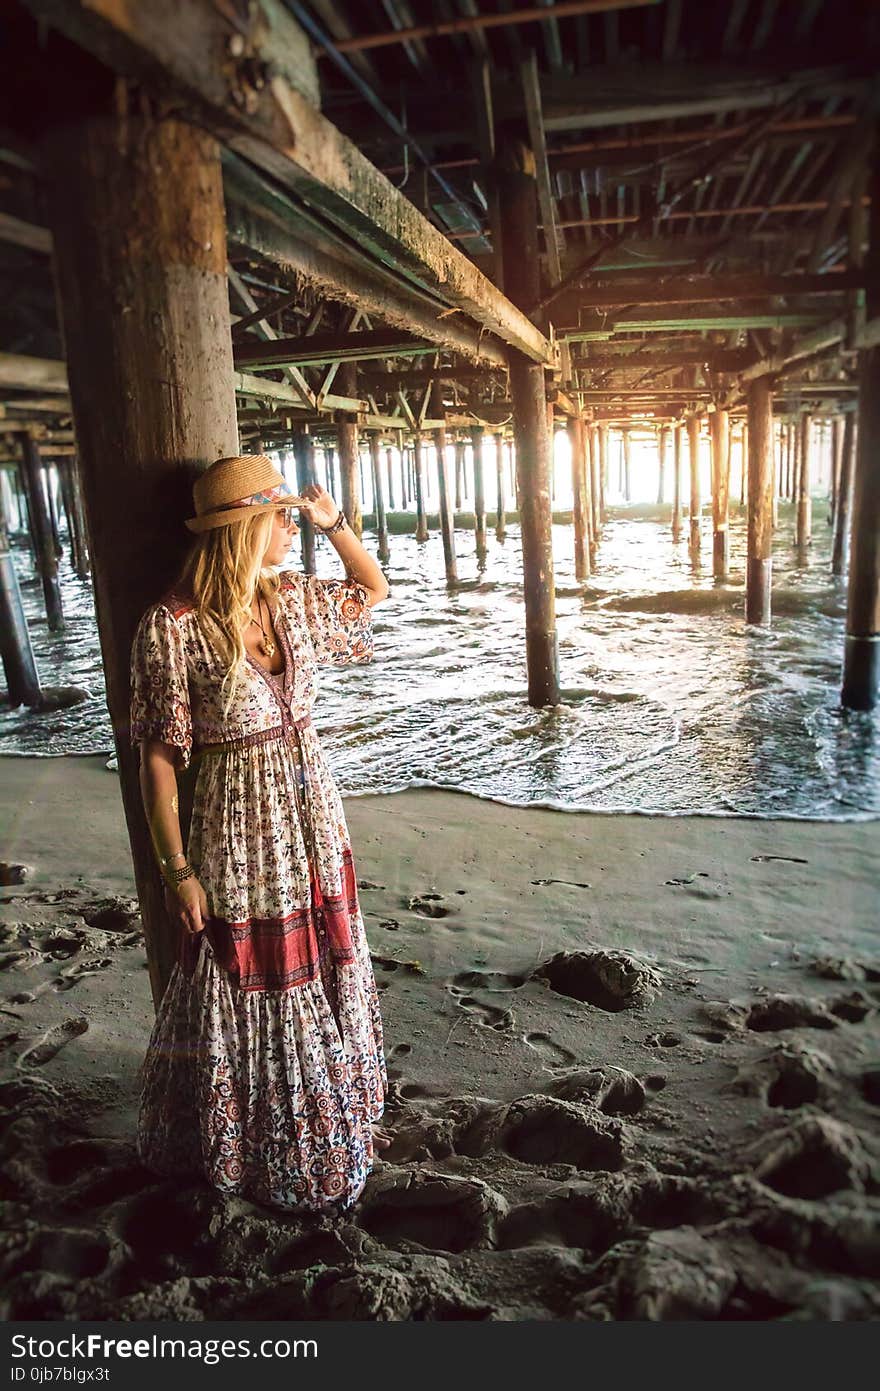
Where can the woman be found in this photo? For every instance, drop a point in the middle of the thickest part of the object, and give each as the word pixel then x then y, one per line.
pixel 265 1068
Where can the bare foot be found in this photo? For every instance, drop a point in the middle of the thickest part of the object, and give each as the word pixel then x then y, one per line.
pixel 382 1138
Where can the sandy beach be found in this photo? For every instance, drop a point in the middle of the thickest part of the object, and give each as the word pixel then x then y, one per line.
pixel 635 1062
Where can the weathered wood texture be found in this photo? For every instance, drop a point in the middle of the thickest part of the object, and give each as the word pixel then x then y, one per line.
pixel 136 210
pixel 719 425
pixel 517 195
pixel 804 502
pixel 580 497
pixel 479 490
pixel 280 130
pixel 695 505
pixel 379 495
pixel 759 564
pixel 347 447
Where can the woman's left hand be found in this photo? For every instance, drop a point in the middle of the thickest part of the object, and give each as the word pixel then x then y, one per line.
pixel 320 508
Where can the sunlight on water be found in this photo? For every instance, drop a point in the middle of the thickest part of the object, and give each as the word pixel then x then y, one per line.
pixel 670 704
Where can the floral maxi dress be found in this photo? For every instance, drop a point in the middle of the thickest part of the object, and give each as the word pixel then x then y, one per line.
pixel 265 1067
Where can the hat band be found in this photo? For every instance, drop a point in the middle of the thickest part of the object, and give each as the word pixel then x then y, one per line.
pixel 278 491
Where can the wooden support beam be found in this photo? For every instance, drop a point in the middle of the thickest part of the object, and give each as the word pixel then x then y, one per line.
pixel 378 496
pixel 704 289
pixel 447 520
pixel 580 496
pixel 21 373
pixel 861 672
pixel 347 446
pixel 137 202
pixel 419 487
pixel 265 330
pixel 676 481
pixel 322 348
pixel 469 24
pixel 276 126
pixel 803 500
pixel 610 358
pixel 304 455
pixel 19 233
pixel 546 200
pixel 693 433
pixel 33 477
pixel 759 563
pixel 515 172
pixel 479 492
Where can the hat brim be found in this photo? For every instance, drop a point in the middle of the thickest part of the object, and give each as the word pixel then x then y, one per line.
pixel 210 520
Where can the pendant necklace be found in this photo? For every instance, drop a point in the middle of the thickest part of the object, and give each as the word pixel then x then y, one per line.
pixel 267 644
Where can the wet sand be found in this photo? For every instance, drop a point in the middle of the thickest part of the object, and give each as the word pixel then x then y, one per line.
pixel 635 1062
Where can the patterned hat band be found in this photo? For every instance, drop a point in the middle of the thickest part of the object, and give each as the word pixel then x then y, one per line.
pixel 279 491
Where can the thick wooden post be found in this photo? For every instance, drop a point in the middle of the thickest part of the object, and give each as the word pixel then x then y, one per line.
pixel 676 481
pixel 580 497
pixel 139 235
pixel 744 461
pixel 500 528
pixel 794 460
pixel 662 441
pixel 627 467
pixel 842 513
pixel 695 506
pixel 836 449
pixel 349 459
pixel 595 481
pixel 419 485
pixel 304 455
pixel 19 665
pixel 75 518
pixel 603 472
pixel 447 520
pixel 378 496
pixel 479 490
pixel 861 668
pixel 518 210
pixel 804 516
pixel 459 472
pixel 759 564
pixel 401 448
pixel 719 424
pixel 389 474
pixel 41 523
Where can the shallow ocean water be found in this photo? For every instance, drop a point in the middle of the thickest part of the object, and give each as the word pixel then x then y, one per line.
pixel 670 704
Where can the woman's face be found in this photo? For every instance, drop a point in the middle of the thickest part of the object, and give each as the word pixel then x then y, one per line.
pixel 280 539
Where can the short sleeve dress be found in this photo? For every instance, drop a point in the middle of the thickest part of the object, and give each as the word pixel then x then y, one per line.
pixel 265 1068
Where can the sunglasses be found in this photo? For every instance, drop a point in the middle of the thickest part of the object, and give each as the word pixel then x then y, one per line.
pixel 287 516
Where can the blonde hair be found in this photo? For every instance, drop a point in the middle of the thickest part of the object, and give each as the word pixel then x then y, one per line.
pixel 223 569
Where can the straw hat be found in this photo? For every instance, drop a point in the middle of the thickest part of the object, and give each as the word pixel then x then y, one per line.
pixel 231 490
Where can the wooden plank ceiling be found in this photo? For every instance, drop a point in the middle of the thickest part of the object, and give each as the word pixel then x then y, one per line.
pixel 701 192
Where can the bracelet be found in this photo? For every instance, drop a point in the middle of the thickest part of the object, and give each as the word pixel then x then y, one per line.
pixel 165 859
pixel 335 526
pixel 177 876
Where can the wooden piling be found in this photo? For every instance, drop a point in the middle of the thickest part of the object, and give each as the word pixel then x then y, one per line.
pixel 593 450
pixel 447 519
pixel 304 454
pixel 759 564
pixel 627 467
pixel 580 497
pixel 804 515
pixel 662 441
pixel 76 517
pixel 676 481
pixel 41 522
pixel 500 527
pixel 347 445
pixel 378 495
pixel 419 488
pixel 861 669
pixel 459 472
pixel 479 490
pixel 603 472
pixel 19 665
pixel 719 426
pixel 693 431
pixel 744 462
pixel 518 211
pixel 836 448
pixel 842 512
pixel 389 473
pixel 136 212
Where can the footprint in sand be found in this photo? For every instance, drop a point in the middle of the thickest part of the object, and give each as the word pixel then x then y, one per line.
pixel 428 905
pixel 68 979
pixel 552 1054
pixel 488 1016
pixel 494 981
pixel 52 1042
